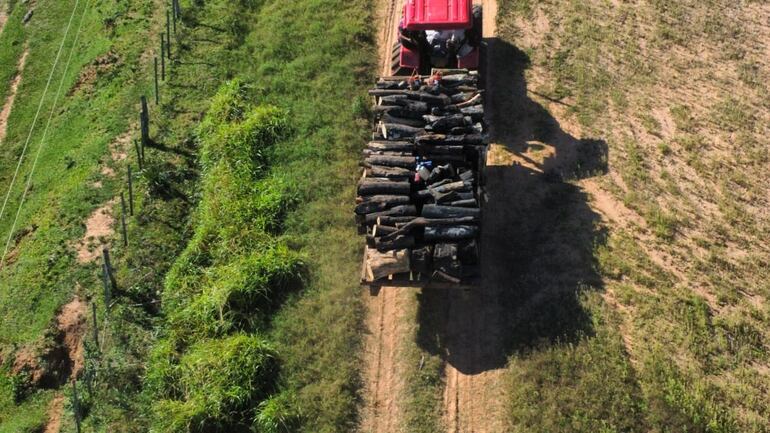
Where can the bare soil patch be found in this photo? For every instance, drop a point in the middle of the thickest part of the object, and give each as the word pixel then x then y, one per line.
pixel 99 228
pixel 58 356
pixel 6 110
pixel 101 66
pixel 55 412
pixel 3 18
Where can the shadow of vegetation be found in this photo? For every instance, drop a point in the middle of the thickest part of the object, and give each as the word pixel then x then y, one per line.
pixel 539 234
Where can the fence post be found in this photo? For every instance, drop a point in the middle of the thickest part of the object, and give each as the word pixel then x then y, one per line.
pixel 108 269
pixel 144 117
pixel 168 34
pixel 76 404
pixel 157 94
pixel 163 57
pixel 96 326
pixel 138 153
pixel 130 192
pixel 123 218
pixel 106 284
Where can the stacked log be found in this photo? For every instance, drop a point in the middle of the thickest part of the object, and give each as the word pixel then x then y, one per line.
pixel 419 197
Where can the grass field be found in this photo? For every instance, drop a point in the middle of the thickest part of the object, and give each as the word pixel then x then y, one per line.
pixel 680 320
pixel 313 332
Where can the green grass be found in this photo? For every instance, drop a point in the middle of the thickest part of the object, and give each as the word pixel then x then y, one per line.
pixel 691 298
pixel 296 207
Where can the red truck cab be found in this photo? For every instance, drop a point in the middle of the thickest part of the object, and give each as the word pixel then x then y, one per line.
pixel 426 20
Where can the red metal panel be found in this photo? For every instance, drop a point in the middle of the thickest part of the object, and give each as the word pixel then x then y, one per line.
pixel 410 58
pixel 437 14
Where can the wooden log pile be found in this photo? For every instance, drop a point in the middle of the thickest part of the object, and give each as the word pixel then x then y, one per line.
pixel 418 200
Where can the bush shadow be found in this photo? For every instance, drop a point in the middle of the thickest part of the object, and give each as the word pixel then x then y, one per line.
pixel 538 234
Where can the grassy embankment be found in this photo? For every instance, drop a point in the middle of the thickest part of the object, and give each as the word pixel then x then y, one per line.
pixel 42 272
pixel 675 89
pixel 308 174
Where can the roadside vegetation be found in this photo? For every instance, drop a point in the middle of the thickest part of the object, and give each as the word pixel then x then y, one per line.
pixel 237 306
pixel 680 331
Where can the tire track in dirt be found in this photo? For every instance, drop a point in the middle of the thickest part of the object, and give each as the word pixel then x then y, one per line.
pixel 388 315
pixel 473 365
pixel 5 112
pixel 388 321
pixel 475 362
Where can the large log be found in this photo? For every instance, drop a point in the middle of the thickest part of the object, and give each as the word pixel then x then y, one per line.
pixel 396 131
pixel 440 173
pixel 428 222
pixel 475 112
pixel 381 230
pixel 380 265
pixel 450 233
pixel 398 211
pixel 386 146
pixel 411 109
pixel 443 150
pixel 437 211
pixel 374 186
pixel 392 221
pixel 441 124
pixel 389 172
pixel 459 185
pixel 391 161
pixel 438 100
pixel 390 243
pixel 368 152
pixel 443 139
pixel 471 202
pixel 389 118
pixel 379 203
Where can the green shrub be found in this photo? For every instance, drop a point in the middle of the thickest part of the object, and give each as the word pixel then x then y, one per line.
pixel 278 414
pixel 239 295
pixel 221 381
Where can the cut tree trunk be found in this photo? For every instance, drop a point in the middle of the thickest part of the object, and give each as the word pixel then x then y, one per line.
pixel 442 139
pixel 389 118
pixel 398 211
pixel 374 186
pixel 395 131
pixel 379 203
pixel 382 244
pixel 386 146
pixel 380 265
pixel 389 172
pixel 450 233
pixel 392 221
pixel 391 161
pixel 436 211
pixel 427 222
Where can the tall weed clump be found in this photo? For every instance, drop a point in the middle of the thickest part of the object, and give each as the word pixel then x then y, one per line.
pixel 213 368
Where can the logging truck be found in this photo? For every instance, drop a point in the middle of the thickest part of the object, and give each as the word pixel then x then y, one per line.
pixel 437 34
pixel 419 198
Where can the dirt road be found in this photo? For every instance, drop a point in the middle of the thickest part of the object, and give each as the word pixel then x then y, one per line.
pixel 467 325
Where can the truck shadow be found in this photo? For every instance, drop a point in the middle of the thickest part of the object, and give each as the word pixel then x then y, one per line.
pixel 539 235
